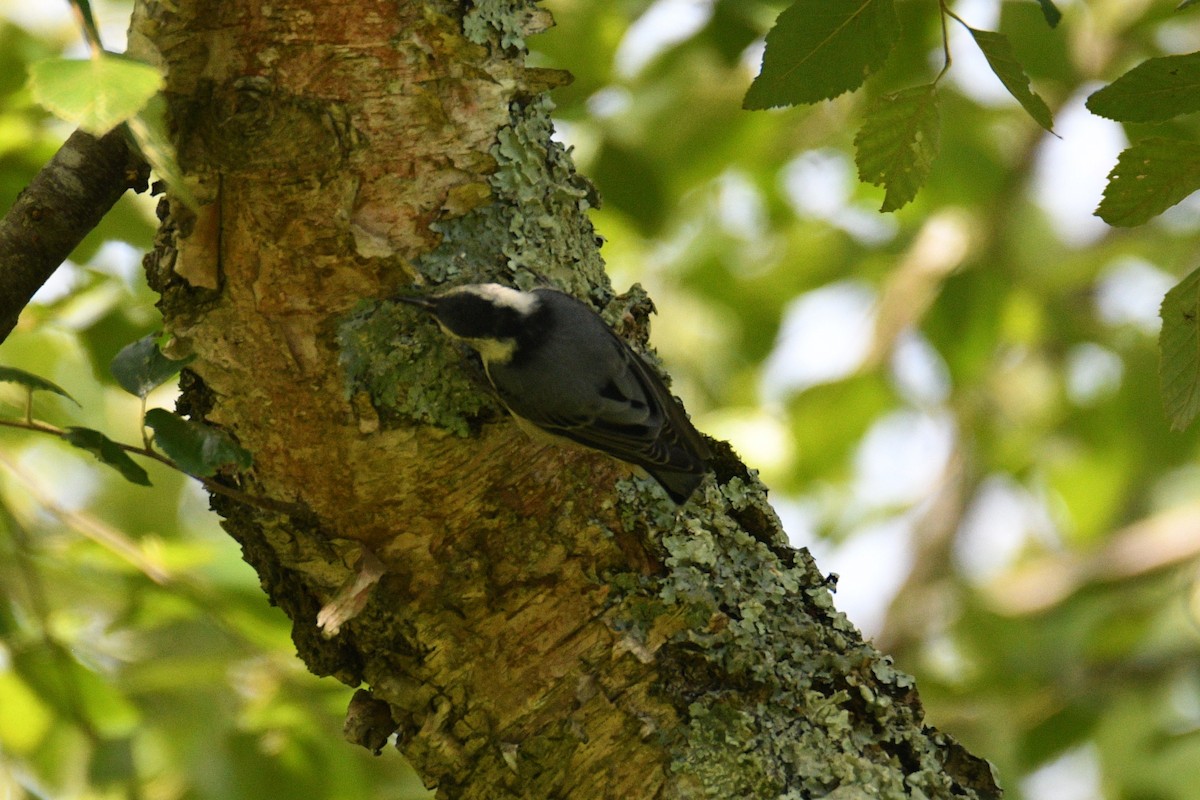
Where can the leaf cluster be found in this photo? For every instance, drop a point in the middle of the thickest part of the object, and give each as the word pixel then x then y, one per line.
pixel 195 448
pixel 819 49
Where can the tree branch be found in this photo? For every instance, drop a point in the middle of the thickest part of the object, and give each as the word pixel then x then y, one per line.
pixel 59 207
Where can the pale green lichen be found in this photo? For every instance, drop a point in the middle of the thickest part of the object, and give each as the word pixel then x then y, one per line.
pixel 504 19
pixel 408 375
pixel 779 694
pixel 536 230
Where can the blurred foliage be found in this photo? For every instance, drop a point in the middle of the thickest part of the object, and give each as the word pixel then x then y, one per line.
pixel 956 406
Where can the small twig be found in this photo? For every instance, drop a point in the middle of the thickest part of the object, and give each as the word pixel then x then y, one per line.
pixel 946 10
pixel 142 423
pixel 945 39
pixel 92 528
pixel 29 424
pixel 87 25
pixel 64 201
pixel 265 503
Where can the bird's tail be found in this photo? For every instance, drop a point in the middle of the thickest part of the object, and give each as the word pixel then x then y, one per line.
pixel 679 484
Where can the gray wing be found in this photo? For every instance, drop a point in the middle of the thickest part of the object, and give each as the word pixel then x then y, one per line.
pixel 635 419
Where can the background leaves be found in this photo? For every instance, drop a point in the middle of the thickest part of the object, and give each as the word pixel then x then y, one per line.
pixel 821 48
pixel 1180 344
pixel 1004 63
pixel 1153 91
pixel 33 383
pixel 1149 178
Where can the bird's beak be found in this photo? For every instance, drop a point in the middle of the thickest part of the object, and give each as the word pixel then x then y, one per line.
pixel 417 300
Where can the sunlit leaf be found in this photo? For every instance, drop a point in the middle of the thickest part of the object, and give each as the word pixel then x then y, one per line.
pixel 197 448
pixel 821 48
pixel 1149 178
pixel 898 142
pixel 1179 347
pixel 141 367
pixel 34 383
pixel 1154 90
pixel 108 451
pixel 25 719
pixel 149 129
pixel 1003 61
pixel 96 94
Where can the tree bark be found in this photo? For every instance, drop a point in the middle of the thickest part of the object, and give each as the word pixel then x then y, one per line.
pixel 49 219
pixel 545 624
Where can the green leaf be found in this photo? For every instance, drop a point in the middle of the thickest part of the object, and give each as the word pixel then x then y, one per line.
pixel 898 142
pixel 1050 12
pixel 149 129
pixel 1185 4
pixel 96 94
pixel 112 762
pixel 1003 61
pixel 141 367
pixel 1179 346
pixel 197 448
pixel 108 451
pixel 74 691
pixel 1153 91
pixel 821 48
pixel 33 383
pixel 1149 178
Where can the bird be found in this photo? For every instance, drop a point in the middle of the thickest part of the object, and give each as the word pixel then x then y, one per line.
pixel 558 367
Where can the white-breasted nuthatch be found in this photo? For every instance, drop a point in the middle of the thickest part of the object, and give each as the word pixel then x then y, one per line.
pixel 557 366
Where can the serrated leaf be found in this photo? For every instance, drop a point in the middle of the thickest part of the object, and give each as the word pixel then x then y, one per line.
pixel 1179 349
pixel 108 451
pixel 197 449
pixel 821 48
pixel 96 94
pixel 1149 178
pixel 1050 12
pixel 899 140
pixel 1003 61
pixel 141 367
pixel 34 383
pixel 1153 91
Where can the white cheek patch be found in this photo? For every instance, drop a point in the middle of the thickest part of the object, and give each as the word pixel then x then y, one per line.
pixel 523 302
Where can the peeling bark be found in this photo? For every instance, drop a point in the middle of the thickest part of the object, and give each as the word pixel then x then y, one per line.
pixel 547 625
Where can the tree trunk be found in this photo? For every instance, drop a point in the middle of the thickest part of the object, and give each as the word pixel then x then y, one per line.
pixel 546 624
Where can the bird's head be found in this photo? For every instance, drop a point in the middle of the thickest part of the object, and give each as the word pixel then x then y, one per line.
pixel 489 317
